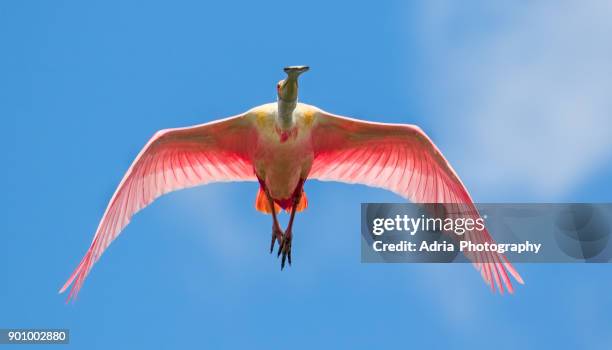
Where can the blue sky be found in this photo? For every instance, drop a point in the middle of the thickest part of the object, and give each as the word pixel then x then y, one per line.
pixel 514 95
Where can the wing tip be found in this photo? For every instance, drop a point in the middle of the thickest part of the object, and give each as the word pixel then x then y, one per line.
pixel 505 284
pixel 75 281
pixel 495 277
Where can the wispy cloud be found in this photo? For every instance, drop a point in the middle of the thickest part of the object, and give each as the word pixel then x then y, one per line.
pixel 527 92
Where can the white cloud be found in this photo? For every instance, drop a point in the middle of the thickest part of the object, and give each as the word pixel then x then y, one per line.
pixel 527 91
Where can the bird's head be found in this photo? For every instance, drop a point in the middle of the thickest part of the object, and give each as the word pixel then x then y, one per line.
pixel 287 88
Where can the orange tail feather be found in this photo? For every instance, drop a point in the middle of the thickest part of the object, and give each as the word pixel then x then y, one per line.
pixel 303 204
pixel 263 205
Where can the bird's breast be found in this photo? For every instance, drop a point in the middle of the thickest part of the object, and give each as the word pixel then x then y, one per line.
pixel 281 163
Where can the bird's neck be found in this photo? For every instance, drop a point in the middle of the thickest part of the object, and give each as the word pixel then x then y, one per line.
pixel 285 114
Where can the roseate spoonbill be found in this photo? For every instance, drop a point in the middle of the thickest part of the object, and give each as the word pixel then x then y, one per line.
pixel 281 145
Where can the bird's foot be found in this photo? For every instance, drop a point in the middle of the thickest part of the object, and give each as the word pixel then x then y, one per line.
pixel 285 249
pixel 277 235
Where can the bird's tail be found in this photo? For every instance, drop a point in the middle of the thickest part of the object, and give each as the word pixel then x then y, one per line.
pixel 263 205
pixel 303 204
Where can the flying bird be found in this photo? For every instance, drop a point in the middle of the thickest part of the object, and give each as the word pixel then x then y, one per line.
pixel 281 145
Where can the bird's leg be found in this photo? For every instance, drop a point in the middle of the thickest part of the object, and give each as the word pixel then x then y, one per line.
pixel 277 232
pixel 285 247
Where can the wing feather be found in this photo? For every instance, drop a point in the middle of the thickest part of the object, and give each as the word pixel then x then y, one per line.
pixel 173 159
pixel 402 159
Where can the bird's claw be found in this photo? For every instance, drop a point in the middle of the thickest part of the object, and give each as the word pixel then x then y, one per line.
pixel 285 249
pixel 277 235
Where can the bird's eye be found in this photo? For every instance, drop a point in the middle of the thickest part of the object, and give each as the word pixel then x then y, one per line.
pixel 278 87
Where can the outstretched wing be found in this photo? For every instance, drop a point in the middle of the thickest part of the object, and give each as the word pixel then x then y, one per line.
pixel 402 159
pixel 173 159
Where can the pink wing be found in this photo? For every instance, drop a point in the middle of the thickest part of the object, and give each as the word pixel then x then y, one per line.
pixel 402 159
pixel 173 159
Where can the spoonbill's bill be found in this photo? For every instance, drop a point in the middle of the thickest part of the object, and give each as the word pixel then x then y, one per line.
pixel 281 145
